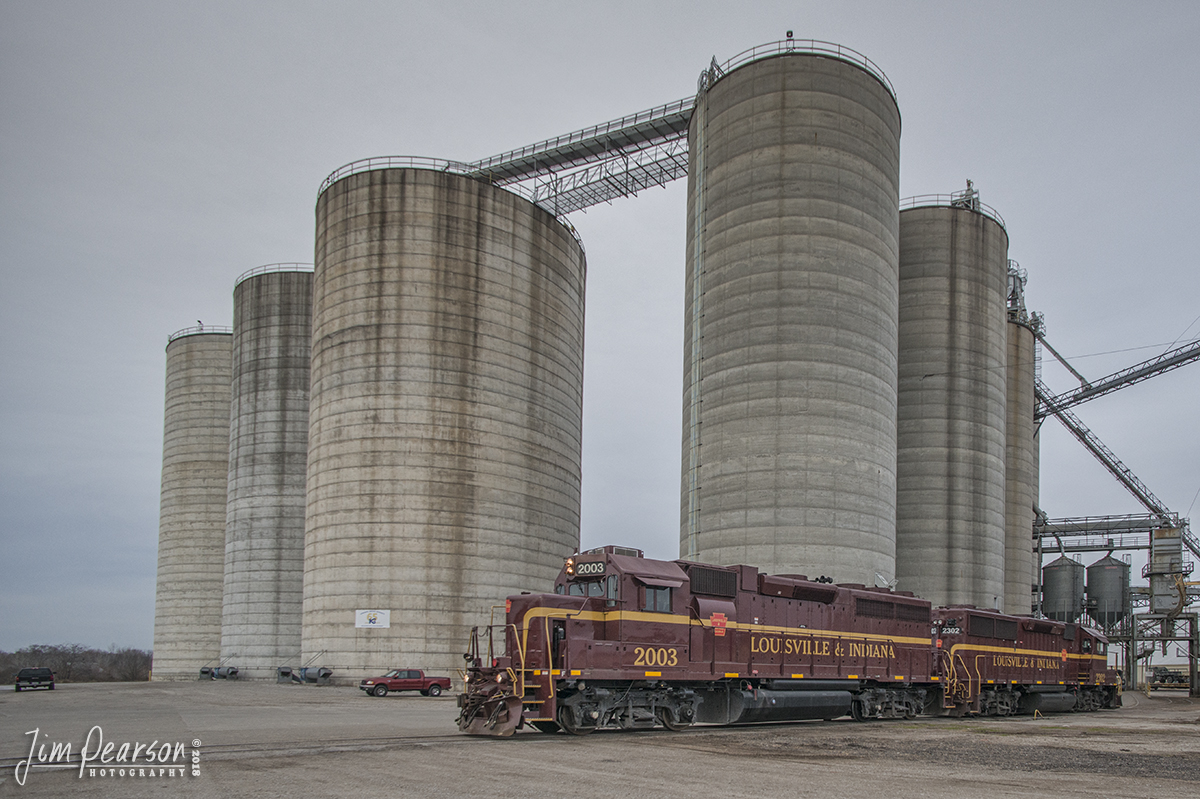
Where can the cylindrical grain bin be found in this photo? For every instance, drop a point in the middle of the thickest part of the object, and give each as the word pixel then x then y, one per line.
pixel 446 413
pixel 1063 588
pixel 950 464
pixel 789 422
pixel 1020 571
pixel 191 520
pixel 268 453
pixel 1108 590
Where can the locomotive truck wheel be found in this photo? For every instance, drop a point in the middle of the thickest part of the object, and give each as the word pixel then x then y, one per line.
pixel 857 711
pixel 566 720
pixel 667 719
pixel 434 690
pixel 380 690
pixel 545 726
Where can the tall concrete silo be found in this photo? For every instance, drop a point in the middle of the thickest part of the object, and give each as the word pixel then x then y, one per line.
pixel 446 412
pixel 789 423
pixel 1020 484
pixel 268 453
pixel 950 465
pixel 191 520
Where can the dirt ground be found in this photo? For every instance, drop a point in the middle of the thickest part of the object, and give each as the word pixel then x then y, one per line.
pixel 264 740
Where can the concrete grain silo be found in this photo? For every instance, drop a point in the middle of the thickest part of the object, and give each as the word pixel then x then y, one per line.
pixel 268 452
pixel 446 412
pixel 789 423
pixel 191 521
pixel 950 497
pixel 1020 485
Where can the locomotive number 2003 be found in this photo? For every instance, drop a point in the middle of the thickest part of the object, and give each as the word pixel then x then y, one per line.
pixel 652 656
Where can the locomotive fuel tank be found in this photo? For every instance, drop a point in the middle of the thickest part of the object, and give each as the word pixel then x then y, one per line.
pixel 732 705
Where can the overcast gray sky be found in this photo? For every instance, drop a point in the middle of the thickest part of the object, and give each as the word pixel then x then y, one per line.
pixel 152 152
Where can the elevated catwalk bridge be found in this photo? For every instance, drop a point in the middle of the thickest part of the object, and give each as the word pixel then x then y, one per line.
pixel 600 163
pixel 624 156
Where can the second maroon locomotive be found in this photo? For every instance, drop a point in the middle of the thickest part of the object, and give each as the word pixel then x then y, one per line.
pixel 629 642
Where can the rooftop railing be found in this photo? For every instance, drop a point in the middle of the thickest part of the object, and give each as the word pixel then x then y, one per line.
pixel 438 165
pixel 786 46
pixel 196 330
pixel 267 269
pixel 952 201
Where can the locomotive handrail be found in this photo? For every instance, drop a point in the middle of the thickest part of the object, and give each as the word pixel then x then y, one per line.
pixel 550 657
pixel 518 684
pixel 979 676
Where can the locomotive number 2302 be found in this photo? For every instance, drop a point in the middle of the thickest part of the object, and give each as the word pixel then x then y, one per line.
pixel 655 656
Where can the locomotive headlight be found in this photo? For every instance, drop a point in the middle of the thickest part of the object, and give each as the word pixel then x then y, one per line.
pixel 570 567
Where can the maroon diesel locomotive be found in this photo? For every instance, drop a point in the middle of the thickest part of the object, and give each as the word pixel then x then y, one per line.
pixel 629 642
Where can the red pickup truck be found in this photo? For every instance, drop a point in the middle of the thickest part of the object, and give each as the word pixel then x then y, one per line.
pixel 405 680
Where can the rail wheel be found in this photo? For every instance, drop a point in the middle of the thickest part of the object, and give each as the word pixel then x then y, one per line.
pixel 566 720
pixel 858 711
pixel 667 719
pixel 380 690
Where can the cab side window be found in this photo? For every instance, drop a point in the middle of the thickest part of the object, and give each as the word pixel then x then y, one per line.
pixel 658 599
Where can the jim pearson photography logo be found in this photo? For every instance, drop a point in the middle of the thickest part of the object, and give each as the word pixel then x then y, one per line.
pixel 97 759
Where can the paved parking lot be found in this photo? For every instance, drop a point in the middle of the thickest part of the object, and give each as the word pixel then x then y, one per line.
pixel 266 740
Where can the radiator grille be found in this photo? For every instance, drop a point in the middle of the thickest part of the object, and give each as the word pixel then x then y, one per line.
pixel 912 612
pixel 714 582
pixel 982 625
pixel 874 608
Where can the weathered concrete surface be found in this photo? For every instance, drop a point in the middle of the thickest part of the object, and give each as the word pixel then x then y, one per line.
pixel 446 414
pixel 261 740
pixel 1020 570
pixel 789 429
pixel 191 521
pixel 268 454
pixel 950 463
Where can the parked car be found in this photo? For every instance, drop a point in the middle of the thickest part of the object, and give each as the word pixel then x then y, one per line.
pixel 35 678
pixel 405 680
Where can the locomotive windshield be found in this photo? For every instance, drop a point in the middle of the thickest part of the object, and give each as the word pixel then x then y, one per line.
pixel 604 587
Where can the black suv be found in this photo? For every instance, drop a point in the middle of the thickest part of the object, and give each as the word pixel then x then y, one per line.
pixel 35 678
